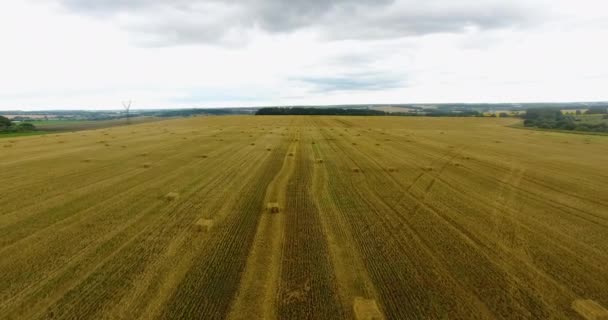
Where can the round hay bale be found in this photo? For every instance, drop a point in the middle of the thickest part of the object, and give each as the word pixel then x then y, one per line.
pixel 291 154
pixel 171 196
pixel 428 168
pixel 203 225
pixel 268 149
pixel 146 165
pixel 319 160
pixel 356 170
pixel 253 144
pixel 392 169
pixel 87 160
pixel 273 207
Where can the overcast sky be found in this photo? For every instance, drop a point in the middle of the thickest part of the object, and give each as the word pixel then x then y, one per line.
pixel 93 54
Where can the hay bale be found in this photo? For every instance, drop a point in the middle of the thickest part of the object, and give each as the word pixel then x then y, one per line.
pixel 202 156
pixel 319 160
pixel 145 154
pixel 377 144
pixel 356 170
pixel 354 143
pixel 203 225
pixel 313 142
pixel 171 196
pixel 147 165
pixel 268 149
pixel 290 154
pixel 428 168
pixel 273 207
pixel 253 144
pixel 392 169
pixel 590 309
pixel 366 309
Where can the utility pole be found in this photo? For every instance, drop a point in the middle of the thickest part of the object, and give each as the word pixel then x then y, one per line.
pixel 127 107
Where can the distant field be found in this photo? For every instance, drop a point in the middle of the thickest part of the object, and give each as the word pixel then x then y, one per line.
pixel 76 125
pixel 394 217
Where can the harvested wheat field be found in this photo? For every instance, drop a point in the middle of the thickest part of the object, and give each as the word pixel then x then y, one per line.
pixel 304 217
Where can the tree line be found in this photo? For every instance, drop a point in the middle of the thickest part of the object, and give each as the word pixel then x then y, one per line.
pixel 552 118
pixel 7 126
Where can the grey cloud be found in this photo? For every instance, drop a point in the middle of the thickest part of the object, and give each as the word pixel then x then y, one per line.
pixel 194 21
pixel 352 82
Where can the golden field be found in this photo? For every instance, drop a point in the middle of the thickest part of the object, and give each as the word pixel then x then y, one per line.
pixel 244 217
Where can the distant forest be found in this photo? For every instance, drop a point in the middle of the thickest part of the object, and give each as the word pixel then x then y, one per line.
pixel 593 120
pixel 318 111
pixel 299 111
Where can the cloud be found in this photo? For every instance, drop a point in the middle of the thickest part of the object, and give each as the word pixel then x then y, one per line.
pixel 157 22
pixel 351 82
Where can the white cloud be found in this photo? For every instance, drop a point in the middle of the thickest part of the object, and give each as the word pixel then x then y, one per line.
pixel 55 56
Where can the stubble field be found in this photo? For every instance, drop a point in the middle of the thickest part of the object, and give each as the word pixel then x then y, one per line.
pixel 397 218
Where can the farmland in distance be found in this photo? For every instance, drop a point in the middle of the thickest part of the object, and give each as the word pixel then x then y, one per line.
pixel 303 217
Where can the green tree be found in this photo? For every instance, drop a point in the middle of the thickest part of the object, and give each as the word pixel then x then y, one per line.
pixel 4 123
pixel 26 127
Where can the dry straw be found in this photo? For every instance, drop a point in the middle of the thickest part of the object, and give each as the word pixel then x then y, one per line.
pixel 366 309
pixel 590 309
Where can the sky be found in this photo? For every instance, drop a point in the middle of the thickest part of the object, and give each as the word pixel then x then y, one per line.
pixel 84 54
